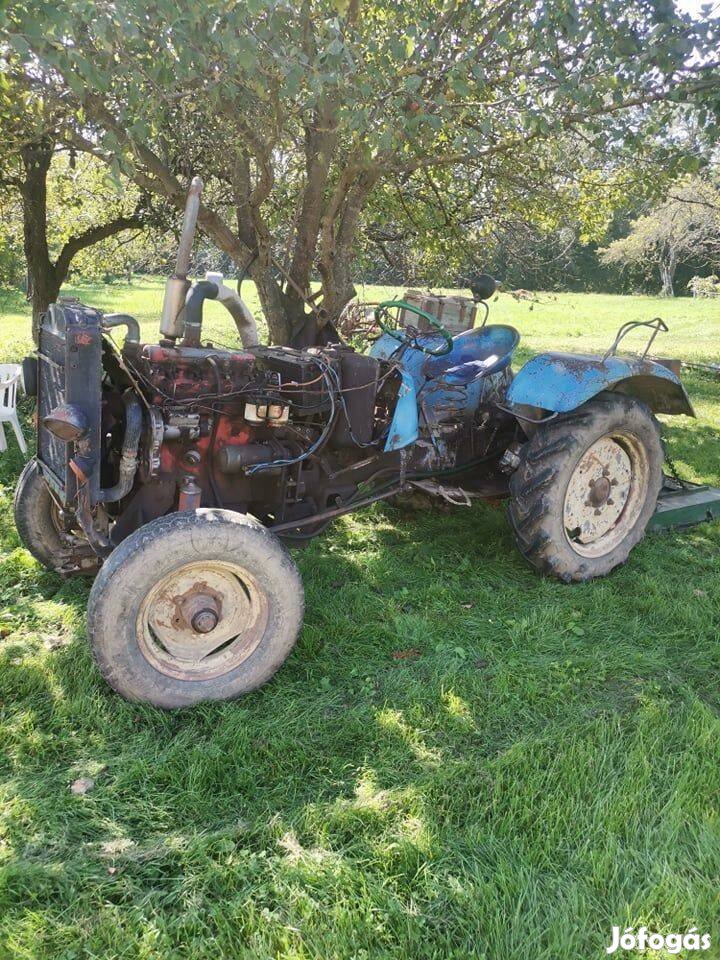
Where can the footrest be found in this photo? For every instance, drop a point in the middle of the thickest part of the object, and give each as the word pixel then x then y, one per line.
pixel 685 507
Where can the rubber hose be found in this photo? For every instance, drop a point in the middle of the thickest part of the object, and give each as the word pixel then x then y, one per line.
pixel 197 295
pixel 128 458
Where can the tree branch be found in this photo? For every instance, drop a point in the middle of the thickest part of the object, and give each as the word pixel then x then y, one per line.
pixel 91 236
pixel 165 182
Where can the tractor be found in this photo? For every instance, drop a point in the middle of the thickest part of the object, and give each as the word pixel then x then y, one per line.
pixel 179 473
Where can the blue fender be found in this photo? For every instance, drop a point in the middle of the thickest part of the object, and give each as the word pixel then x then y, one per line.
pixel 563 381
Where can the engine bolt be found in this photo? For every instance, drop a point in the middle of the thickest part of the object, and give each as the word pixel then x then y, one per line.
pixel 191 458
pixel 204 621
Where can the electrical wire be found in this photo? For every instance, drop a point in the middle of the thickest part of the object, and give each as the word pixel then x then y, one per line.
pixel 332 379
pixel 327 373
pixel 359 443
pixel 292 385
pixel 487 312
pixel 256 468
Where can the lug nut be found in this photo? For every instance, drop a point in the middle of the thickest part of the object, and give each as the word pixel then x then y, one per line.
pixel 204 621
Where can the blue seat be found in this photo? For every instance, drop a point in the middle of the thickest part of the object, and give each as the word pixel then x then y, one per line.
pixel 476 353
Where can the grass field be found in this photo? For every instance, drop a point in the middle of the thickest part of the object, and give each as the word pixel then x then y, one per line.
pixel 459 759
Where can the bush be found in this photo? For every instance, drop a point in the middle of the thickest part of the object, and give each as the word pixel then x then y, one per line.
pixel 705 287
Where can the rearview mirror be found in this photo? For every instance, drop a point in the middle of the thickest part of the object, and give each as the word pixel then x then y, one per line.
pixel 483 286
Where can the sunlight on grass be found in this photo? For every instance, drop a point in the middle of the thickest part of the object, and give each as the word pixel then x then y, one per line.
pixel 459 759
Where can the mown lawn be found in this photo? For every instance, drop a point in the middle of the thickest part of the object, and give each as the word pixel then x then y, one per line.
pixel 459 759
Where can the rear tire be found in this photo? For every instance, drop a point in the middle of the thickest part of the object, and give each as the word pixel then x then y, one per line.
pixel 586 487
pixel 194 606
pixel 36 517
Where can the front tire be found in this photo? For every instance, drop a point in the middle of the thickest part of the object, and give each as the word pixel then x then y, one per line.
pixel 37 518
pixel 194 606
pixel 586 487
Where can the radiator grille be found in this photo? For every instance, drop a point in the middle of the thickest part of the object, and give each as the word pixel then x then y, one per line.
pixel 52 452
pixel 70 373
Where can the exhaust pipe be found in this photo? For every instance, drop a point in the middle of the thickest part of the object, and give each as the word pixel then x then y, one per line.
pixel 177 286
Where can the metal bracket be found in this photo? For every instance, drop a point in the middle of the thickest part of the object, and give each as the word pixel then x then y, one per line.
pixel 656 325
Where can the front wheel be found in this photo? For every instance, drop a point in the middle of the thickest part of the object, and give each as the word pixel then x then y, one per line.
pixel 199 605
pixel 586 487
pixel 37 518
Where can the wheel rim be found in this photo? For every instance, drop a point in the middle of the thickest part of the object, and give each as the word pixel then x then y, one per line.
pixel 202 620
pixel 605 494
pixel 56 518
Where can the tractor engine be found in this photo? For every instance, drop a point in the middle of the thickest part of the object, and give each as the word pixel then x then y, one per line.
pixel 238 428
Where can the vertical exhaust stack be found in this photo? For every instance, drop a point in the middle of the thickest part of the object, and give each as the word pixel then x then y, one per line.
pixel 177 286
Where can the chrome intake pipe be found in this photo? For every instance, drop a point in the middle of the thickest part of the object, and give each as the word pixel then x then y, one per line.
pixel 215 289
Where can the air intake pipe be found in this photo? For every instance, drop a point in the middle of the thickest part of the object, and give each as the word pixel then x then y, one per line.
pixel 211 290
pixel 111 320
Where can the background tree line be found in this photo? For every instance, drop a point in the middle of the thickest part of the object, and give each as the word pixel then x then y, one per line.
pixel 624 256
pixel 343 141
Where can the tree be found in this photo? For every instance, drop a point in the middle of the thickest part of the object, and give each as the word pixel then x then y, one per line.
pixel 684 227
pixel 82 217
pixel 12 261
pixel 45 274
pixel 529 230
pixel 295 112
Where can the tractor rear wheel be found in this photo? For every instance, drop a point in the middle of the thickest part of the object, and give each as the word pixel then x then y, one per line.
pixel 199 605
pixel 586 487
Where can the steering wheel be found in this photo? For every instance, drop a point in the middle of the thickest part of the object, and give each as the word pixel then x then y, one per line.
pixel 413 340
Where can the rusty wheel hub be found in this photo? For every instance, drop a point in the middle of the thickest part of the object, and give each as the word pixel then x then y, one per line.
pixel 200 608
pixel 202 620
pixel 599 492
pixel 605 494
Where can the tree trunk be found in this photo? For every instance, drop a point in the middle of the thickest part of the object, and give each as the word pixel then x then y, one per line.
pixel 336 253
pixel 668 266
pixel 44 282
pixel 272 300
pixel 45 277
pixel 45 290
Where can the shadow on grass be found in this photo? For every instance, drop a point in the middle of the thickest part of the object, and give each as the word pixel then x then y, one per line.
pixel 406 808
pixel 458 759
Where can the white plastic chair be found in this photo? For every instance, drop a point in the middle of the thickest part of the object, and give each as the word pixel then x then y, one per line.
pixel 10 374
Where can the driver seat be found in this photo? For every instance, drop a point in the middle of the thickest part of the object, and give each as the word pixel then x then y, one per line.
pixel 476 353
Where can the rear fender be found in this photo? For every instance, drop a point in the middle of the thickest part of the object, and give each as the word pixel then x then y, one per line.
pixel 561 382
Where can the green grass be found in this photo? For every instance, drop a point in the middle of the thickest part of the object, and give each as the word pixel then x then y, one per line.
pixel 542 766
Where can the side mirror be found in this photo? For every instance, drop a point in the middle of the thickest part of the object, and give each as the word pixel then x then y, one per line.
pixel 483 286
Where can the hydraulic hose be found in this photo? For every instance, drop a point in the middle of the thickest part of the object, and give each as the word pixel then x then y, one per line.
pixel 128 457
